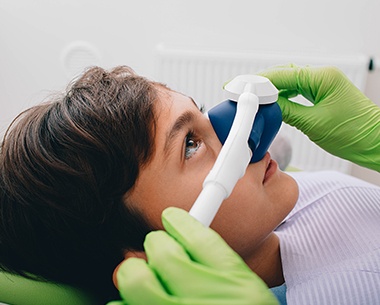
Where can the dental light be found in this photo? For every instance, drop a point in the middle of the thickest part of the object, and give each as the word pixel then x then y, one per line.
pixel 246 125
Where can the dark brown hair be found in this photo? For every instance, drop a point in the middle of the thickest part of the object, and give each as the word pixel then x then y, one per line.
pixel 65 166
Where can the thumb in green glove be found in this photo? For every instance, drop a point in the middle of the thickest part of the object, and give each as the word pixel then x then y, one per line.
pixel 189 264
pixel 343 121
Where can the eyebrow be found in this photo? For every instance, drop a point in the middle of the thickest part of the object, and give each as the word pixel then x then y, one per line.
pixel 184 119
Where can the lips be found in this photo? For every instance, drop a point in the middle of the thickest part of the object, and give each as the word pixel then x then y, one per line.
pixel 272 167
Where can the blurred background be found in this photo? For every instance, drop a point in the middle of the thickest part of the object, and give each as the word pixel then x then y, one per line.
pixel 44 44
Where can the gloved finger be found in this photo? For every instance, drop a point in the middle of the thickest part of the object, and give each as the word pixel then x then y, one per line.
pixel 292 112
pixel 288 93
pixel 283 77
pixel 184 278
pixel 130 254
pixel 301 116
pixel 203 244
pixel 171 263
pixel 310 82
pixel 138 284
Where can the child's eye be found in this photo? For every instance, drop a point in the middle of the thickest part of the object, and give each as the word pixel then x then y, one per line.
pixel 191 145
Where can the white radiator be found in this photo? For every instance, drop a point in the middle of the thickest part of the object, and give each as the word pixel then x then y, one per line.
pixel 201 75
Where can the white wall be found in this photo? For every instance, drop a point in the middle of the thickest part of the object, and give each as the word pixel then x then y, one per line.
pixel 34 34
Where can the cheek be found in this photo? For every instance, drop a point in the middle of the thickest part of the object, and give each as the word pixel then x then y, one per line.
pixel 181 187
pixel 182 193
pixel 170 188
pixel 253 211
pixel 239 219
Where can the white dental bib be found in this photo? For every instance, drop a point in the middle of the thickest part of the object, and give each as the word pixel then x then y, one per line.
pixel 330 242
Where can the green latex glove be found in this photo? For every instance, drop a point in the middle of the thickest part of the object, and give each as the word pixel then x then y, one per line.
pixel 189 264
pixel 343 121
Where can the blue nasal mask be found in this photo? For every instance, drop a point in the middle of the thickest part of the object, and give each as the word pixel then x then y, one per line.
pixel 246 125
pixel 265 127
pixel 268 118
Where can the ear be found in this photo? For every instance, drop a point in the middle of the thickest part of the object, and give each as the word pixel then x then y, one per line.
pixel 128 254
pixel 138 254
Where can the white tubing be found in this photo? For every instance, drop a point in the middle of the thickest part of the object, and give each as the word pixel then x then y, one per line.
pixel 208 202
pixel 231 163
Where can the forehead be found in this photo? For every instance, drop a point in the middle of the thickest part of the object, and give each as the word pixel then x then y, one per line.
pixel 172 103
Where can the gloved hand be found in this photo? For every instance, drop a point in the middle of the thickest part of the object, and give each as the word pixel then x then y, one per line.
pixel 342 121
pixel 189 264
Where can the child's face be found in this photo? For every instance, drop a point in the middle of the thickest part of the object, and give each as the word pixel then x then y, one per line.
pixel 186 148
